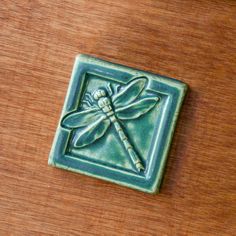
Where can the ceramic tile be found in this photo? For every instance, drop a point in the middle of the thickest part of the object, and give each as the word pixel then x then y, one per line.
pixel 117 123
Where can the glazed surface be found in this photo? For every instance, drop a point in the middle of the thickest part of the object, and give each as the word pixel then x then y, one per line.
pixel 192 41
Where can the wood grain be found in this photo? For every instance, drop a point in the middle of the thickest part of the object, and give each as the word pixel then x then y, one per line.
pixel 193 41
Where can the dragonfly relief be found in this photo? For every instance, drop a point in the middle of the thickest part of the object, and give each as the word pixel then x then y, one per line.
pixel 111 106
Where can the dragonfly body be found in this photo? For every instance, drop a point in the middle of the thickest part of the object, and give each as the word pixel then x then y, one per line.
pixel 106 107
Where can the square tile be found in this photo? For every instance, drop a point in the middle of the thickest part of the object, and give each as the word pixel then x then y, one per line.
pixel 117 123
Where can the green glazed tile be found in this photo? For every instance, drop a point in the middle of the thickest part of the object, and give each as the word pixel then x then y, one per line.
pixel 117 123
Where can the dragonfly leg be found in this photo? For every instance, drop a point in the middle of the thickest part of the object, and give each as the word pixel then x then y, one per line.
pixel 109 89
pixel 87 103
pixel 89 97
pixel 117 88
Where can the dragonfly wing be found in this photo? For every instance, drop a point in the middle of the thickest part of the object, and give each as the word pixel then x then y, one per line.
pixel 130 92
pixel 92 132
pixel 136 109
pixel 80 118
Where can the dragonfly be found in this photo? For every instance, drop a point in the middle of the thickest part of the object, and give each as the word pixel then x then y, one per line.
pixel 111 105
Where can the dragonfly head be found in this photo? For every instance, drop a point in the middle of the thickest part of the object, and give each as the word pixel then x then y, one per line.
pixel 99 94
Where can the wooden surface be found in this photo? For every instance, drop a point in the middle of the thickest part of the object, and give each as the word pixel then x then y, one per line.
pixel 193 41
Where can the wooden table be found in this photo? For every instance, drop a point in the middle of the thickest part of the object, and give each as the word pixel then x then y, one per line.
pixel 193 41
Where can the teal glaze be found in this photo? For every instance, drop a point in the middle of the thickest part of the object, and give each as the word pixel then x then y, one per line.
pixel 156 100
pixel 106 109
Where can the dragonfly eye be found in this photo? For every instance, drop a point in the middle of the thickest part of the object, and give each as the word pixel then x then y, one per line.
pixel 99 94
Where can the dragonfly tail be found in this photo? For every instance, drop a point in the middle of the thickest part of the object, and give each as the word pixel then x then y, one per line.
pixel 133 155
pixel 135 159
